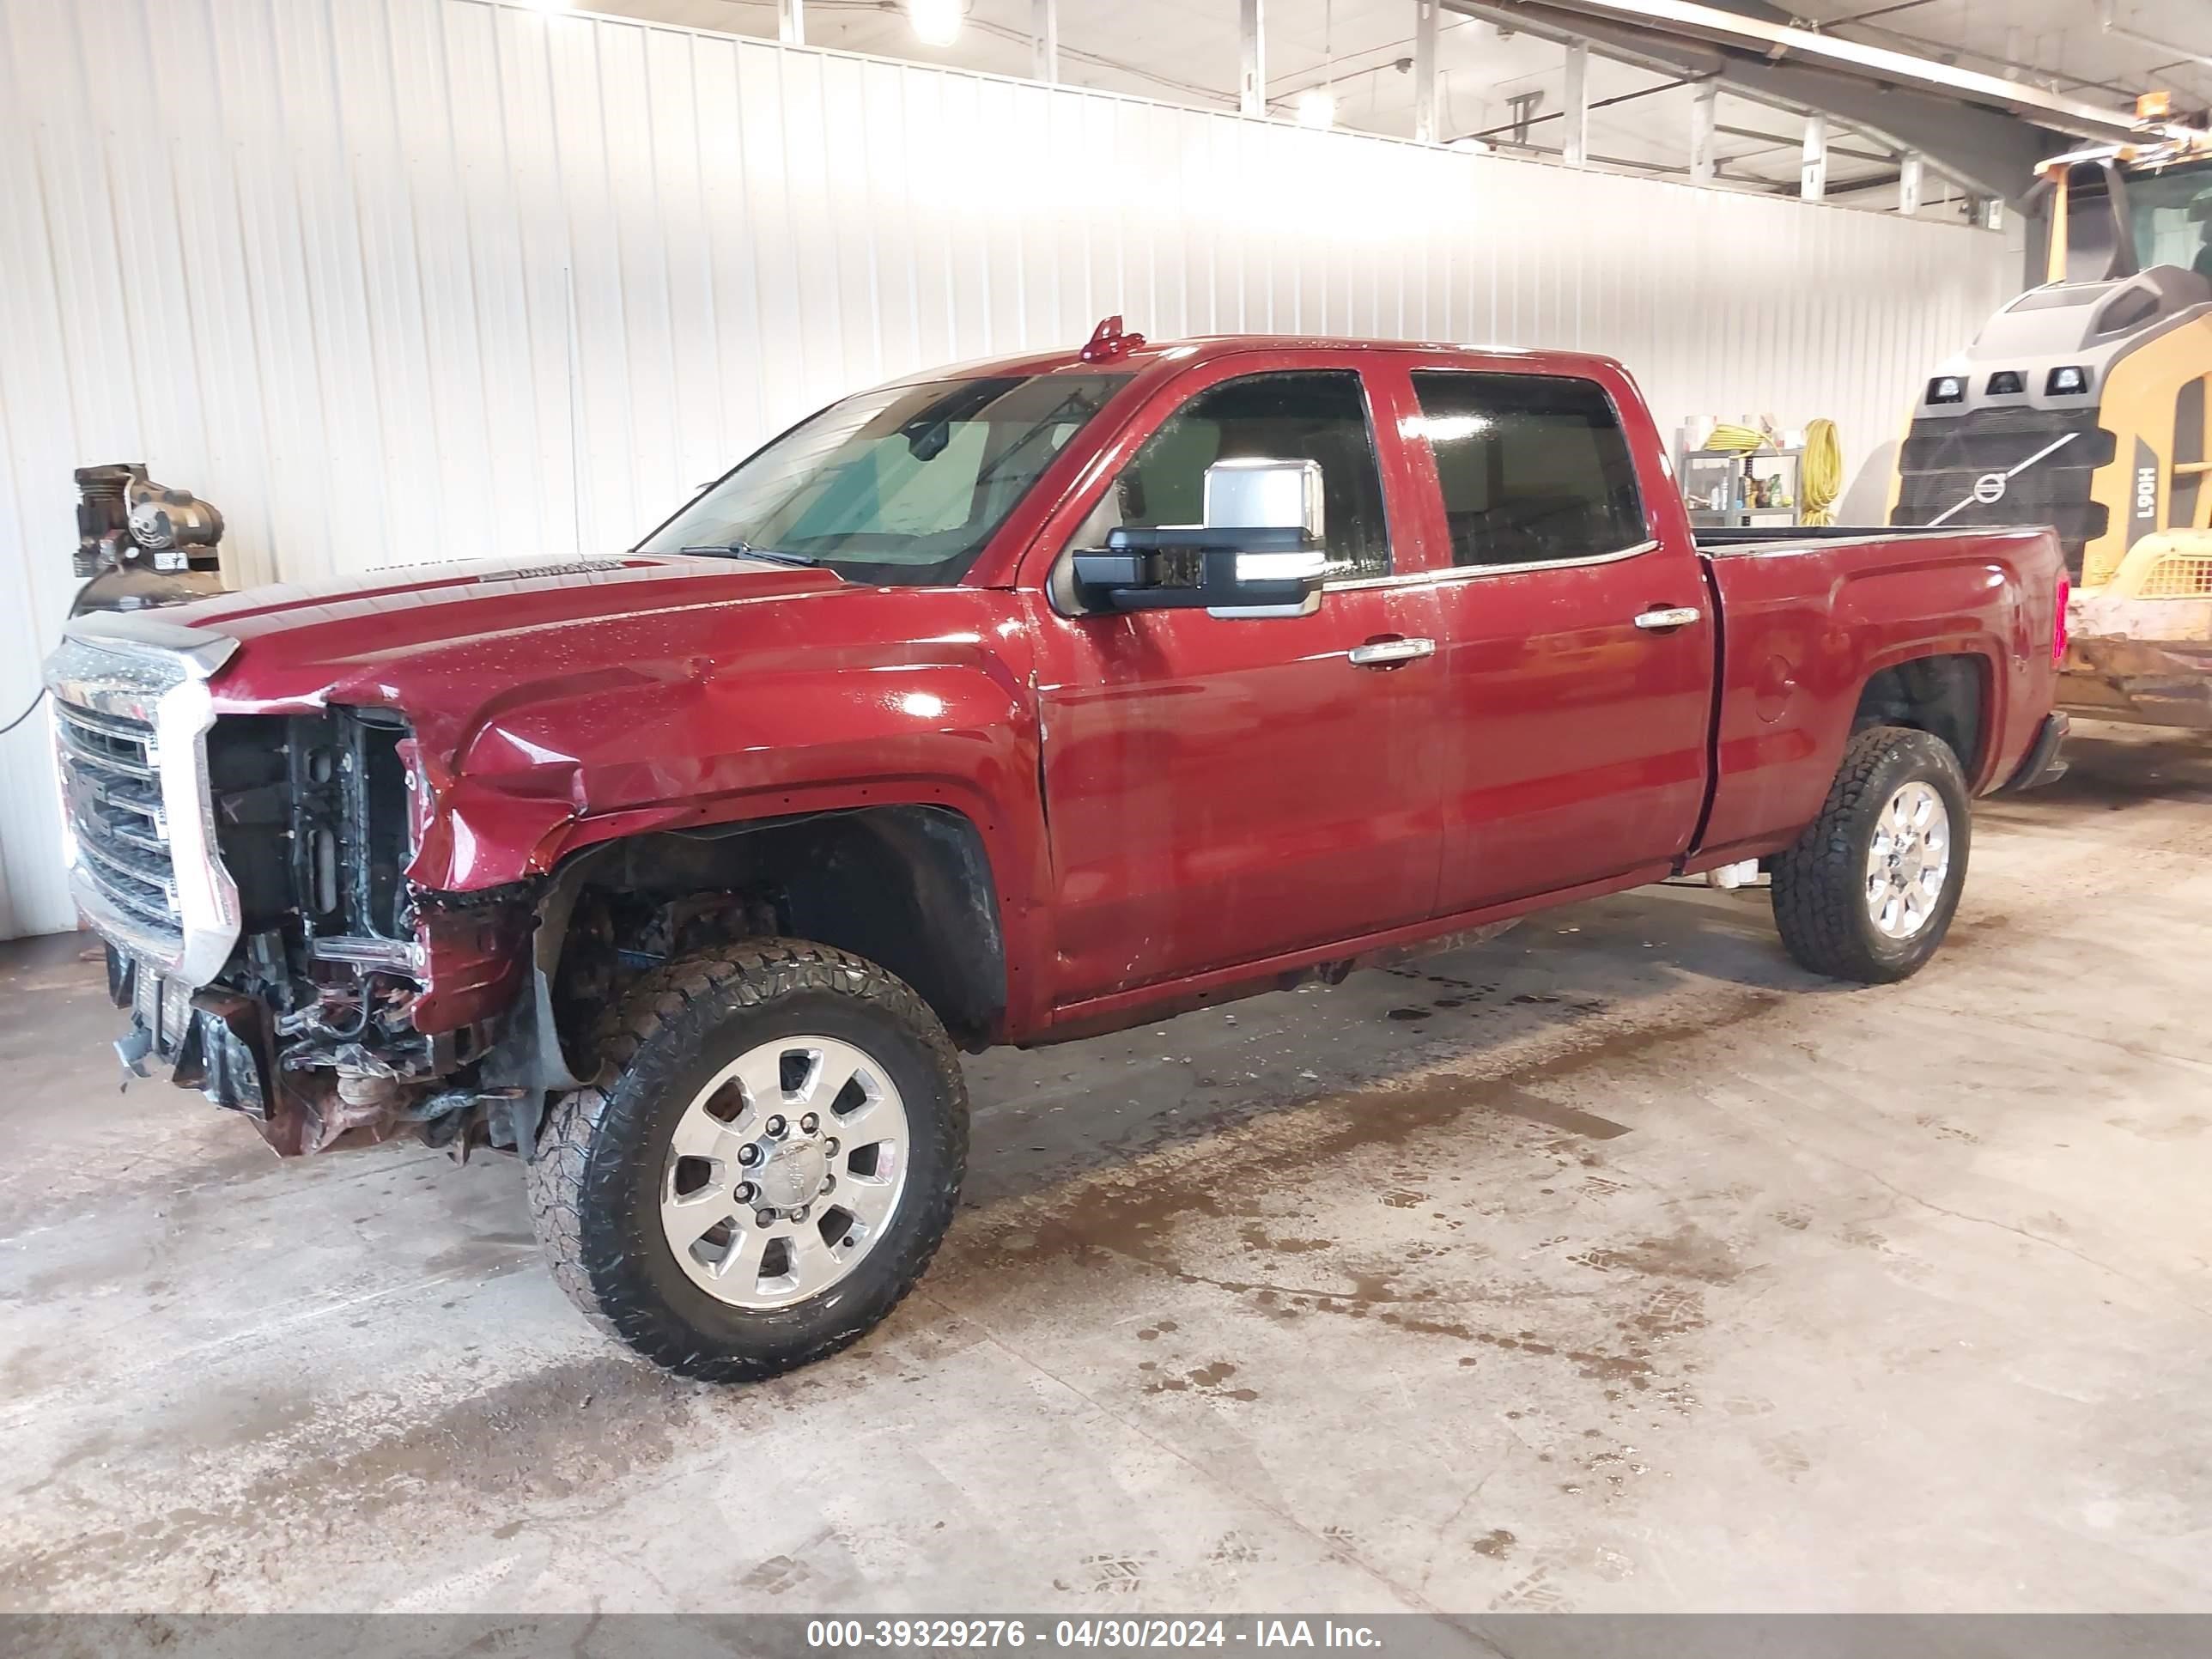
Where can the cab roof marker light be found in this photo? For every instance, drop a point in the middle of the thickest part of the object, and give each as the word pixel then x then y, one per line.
pixel 1948 389
pixel 2007 383
pixel 2068 381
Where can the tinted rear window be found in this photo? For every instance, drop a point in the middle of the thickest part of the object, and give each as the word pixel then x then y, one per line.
pixel 1534 468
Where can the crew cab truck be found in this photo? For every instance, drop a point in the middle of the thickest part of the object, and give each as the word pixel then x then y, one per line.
pixel 997 705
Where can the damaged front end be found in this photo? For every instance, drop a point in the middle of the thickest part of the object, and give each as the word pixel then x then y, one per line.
pixel 247 873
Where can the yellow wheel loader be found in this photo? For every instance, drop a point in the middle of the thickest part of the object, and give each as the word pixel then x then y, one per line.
pixel 2087 404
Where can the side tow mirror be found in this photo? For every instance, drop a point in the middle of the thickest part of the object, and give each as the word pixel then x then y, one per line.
pixel 1260 552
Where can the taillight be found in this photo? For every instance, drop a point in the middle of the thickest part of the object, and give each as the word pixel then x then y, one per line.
pixel 2058 619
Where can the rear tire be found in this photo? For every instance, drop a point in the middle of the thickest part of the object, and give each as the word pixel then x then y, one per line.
pixel 668 1197
pixel 1860 896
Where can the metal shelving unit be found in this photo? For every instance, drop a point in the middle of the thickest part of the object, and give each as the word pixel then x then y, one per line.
pixel 1729 476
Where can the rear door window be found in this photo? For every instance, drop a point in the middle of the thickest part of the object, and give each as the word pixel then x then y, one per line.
pixel 1534 468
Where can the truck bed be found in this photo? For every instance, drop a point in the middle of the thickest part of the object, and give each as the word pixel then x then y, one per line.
pixel 1810 613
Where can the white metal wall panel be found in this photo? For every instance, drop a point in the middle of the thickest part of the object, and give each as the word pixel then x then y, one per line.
pixel 390 280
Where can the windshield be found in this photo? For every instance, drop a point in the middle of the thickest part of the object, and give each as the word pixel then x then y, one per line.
pixel 2171 218
pixel 903 485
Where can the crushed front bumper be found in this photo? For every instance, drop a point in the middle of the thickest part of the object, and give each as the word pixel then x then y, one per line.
pixel 211 1039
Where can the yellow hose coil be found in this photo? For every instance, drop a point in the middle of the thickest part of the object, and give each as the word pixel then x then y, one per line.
pixel 1821 475
pixel 1728 435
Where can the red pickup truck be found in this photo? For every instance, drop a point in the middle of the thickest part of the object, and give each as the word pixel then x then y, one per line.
pixel 999 705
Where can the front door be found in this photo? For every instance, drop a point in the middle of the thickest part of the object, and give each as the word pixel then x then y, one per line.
pixel 1222 790
pixel 1579 647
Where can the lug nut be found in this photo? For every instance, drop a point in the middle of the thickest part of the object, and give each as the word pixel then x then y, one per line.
pixel 830 1146
pixel 799 1214
pixel 749 1154
pixel 809 1124
pixel 828 1181
pixel 776 1126
pixel 763 1218
pixel 744 1193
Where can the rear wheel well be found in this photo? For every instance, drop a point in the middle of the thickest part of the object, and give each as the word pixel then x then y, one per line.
pixel 1943 696
pixel 909 888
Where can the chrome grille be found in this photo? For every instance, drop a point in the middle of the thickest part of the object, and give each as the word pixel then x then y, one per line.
pixel 111 775
pixel 132 711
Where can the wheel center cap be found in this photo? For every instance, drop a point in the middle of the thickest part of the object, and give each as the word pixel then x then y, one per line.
pixel 790 1174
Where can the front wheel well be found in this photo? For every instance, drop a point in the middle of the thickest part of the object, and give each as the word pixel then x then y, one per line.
pixel 1941 695
pixel 908 887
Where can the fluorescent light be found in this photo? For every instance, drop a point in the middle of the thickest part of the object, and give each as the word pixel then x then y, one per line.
pixel 1316 107
pixel 936 22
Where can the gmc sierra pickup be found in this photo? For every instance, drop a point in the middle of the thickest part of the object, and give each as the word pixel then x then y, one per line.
pixel 997 705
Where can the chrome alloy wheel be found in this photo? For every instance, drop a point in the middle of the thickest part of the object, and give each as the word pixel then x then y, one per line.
pixel 1908 862
pixel 784 1171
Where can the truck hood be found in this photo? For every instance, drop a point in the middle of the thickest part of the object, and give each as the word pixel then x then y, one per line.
pixel 392 637
pixel 659 688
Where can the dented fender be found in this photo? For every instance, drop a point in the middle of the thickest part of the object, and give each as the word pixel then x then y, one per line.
pixel 555 708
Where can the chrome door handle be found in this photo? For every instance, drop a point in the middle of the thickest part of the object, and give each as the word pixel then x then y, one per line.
pixel 1384 653
pixel 1672 616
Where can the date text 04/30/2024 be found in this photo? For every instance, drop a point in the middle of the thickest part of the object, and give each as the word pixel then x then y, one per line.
pixel 854 1633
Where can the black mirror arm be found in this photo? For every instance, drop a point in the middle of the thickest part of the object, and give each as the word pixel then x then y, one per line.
pixel 1129 575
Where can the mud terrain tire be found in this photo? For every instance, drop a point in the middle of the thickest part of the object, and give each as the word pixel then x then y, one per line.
pixel 605 1164
pixel 1822 884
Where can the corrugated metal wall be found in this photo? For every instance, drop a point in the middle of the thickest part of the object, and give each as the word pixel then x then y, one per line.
pixel 394 279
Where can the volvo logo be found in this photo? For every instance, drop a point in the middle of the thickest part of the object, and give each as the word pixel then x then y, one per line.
pixel 1990 486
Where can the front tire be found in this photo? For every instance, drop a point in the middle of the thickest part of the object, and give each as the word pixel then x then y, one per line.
pixel 766 1167
pixel 1869 890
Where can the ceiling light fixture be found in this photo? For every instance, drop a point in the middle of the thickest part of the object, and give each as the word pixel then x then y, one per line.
pixel 1316 107
pixel 936 22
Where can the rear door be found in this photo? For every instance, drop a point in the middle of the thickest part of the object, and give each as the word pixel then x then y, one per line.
pixel 1577 643
pixel 1222 790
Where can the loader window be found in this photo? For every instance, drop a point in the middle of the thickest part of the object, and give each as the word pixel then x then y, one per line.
pixel 1534 468
pixel 2172 215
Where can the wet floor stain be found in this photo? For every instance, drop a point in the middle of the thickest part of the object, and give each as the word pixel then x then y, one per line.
pixel 1212 1380
pixel 1519 1102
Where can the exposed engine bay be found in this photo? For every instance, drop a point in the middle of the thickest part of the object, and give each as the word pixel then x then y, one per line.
pixel 357 1006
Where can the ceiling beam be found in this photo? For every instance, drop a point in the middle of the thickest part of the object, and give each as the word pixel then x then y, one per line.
pixel 1781 141
pixel 1752 25
pixel 1989 151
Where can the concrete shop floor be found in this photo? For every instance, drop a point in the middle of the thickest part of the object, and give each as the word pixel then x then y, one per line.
pixel 1613 1265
